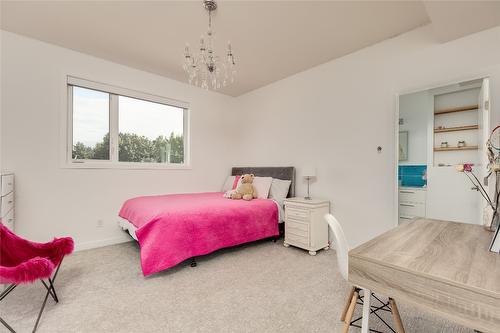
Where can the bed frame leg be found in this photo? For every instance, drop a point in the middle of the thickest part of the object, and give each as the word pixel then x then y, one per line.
pixel 193 262
pixel 281 228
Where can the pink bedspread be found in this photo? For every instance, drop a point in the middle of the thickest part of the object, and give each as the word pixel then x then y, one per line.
pixel 173 228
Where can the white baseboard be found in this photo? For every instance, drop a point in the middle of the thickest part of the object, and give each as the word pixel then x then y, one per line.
pixel 102 242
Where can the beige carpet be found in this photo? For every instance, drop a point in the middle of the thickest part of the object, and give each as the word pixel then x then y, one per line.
pixel 259 287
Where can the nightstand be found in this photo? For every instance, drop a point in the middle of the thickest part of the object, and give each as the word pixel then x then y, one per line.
pixel 305 225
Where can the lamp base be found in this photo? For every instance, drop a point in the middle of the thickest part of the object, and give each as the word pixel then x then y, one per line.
pixel 307 198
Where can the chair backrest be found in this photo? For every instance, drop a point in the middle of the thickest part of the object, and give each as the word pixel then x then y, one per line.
pixel 341 245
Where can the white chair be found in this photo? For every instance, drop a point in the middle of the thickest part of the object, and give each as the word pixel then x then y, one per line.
pixel 342 249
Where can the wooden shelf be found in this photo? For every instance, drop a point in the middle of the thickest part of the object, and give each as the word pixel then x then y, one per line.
pixel 456 148
pixel 454 129
pixel 459 109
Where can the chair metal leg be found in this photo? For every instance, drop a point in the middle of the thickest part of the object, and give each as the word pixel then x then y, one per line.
pixel 41 311
pixel 2 296
pixel 384 306
pixel 50 291
pixel 51 281
pixel 7 291
pixel 7 325
pixel 50 288
pixel 347 303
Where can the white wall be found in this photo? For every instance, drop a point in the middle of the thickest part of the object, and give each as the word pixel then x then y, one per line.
pixel 335 115
pixel 415 109
pixel 332 116
pixel 53 201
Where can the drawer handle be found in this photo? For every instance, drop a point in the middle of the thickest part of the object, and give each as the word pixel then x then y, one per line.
pixel 402 191
pixel 10 201
pixel 10 220
pixel 406 205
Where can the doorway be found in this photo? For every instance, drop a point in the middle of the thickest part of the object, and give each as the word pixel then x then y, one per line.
pixel 441 129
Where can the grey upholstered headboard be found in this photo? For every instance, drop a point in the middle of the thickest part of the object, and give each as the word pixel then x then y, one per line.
pixel 285 173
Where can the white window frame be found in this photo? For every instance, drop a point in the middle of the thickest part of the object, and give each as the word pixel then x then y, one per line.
pixel 113 162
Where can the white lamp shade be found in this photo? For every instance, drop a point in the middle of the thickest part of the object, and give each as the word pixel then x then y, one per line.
pixel 309 171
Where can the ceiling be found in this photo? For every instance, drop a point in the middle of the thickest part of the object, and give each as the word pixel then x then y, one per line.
pixel 271 39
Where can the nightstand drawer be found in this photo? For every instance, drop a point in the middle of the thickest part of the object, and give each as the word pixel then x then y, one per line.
pixel 297 232
pixel 297 240
pixel 296 213
pixel 296 224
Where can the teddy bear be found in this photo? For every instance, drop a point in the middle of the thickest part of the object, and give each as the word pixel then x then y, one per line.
pixel 245 189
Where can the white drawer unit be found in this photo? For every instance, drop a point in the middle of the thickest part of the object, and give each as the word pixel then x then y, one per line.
pixel 412 202
pixel 7 184
pixel 412 209
pixel 408 194
pixel 305 226
pixel 8 220
pixel 7 203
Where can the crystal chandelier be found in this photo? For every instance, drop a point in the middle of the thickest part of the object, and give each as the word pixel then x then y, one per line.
pixel 207 70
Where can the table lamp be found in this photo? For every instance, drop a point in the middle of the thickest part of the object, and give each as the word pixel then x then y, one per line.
pixel 308 173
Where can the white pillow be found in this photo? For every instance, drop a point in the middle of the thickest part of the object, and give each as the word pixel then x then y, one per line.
pixel 262 186
pixel 228 185
pixel 279 189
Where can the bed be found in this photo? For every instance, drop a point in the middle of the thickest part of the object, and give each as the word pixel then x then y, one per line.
pixel 176 227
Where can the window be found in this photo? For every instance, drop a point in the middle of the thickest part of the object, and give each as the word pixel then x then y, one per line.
pixel 90 124
pixel 111 126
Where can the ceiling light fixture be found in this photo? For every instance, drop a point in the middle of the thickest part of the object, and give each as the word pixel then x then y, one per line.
pixel 207 70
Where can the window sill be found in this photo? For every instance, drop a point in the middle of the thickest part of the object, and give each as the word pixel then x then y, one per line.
pixel 125 166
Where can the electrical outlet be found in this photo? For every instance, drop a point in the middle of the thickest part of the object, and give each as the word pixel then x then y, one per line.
pixel 100 223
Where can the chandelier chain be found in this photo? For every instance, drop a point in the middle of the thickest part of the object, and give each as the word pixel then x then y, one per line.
pixel 209 19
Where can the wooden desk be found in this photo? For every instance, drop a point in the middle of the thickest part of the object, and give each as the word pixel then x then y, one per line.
pixel 439 266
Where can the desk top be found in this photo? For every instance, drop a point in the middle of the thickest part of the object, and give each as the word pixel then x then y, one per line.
pixel 451 252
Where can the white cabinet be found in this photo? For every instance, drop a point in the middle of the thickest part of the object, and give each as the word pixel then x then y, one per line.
pixel 412 202
pixel 7 184
pixel 305 225
pixel 7 200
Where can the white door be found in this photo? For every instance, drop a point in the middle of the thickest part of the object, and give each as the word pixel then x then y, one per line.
pixel 483 134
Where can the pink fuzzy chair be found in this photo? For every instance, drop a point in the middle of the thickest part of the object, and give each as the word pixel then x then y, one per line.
pixel 22 261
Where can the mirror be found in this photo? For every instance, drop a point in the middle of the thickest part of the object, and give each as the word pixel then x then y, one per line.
pixel 403 145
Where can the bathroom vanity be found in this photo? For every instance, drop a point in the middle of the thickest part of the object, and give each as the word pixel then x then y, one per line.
pixel 412 202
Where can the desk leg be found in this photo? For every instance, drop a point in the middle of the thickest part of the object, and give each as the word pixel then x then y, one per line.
pixel 366 311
